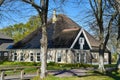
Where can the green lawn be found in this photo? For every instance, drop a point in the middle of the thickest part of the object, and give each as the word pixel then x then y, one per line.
pixel 93 76
pixel 79 78
pixel 55 66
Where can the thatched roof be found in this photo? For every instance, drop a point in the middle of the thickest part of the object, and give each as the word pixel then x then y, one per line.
pixel 93 42
pixel 60 35
pixel 4 46
pixel 2 36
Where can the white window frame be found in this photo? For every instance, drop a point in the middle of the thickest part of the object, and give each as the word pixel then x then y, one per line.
pixel 15 55
pixel 21 56
pixel 5 54
pixel 85 57
pixel 37 57
pixel 78 57
pixel 81 42
pixel 59 55
pixel 31 56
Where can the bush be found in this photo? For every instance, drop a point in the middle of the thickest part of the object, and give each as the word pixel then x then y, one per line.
pixel 114 57
pixel 51 64
pixel 77 65
pixel 21 63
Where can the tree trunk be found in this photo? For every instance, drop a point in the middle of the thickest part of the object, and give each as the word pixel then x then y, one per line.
pixel 118 62
pixel 101 59
pixel 43 52
pixel 118 51
pixel 1 2
pixel 43 15
pixel 118 44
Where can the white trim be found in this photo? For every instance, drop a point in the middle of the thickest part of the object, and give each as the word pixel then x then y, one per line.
pixel 37 57
pixel 31 56
pixel 87 39
pixel 82 30
pixel 76 38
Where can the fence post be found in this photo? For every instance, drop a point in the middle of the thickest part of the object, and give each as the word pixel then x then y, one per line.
pixel 2 75
pixel 22 74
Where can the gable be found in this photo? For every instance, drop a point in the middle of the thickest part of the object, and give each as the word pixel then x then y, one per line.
pixel 76 44
pixel 84 44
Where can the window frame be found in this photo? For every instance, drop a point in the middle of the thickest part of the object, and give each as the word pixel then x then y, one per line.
pixel 38 57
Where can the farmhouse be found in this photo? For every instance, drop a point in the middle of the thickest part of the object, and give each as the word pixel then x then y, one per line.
pixel 5 41
pixel 67 43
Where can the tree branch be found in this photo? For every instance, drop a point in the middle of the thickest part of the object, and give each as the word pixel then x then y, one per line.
pixel 32 3
pixel 1 2
pixel 109 28
pixel 93 10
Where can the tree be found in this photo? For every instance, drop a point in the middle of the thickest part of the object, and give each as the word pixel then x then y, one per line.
pixel 1 2
pixel 99 9
pixel 42 10
pixel 20 31
pixel 117 8
pixel 118 43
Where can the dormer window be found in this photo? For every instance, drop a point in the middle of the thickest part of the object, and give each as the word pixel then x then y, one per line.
pixel 81 42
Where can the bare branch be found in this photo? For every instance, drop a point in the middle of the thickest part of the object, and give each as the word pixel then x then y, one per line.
pixel 32 3
pixel 109 28
pixel 1 2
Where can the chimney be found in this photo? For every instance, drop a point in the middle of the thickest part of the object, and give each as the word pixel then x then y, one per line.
pixel 54 18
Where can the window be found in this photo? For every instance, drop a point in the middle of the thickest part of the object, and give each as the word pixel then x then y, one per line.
pixel 38 56
pixel 95 56
pixel 81 42
pixel 49 57
pixel 31 57
pixel 15 56
pixel 21 56
pixel 5 54
pixel 59 57
pixel 78 57
pixel 0 54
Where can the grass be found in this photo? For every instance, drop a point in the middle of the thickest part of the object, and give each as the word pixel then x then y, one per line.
pixel 99 77
pixel 94 76
pixel 55 66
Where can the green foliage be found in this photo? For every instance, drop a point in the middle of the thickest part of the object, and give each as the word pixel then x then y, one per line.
pixel 53 65
pixel 97 76
pixel 114 57
pixel 50 77
pixel 19 31
pixel 20 63
pixel 77 65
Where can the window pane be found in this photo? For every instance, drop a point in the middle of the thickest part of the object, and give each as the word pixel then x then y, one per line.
pixel 21 57
pixel 59 57
pixel 38 56
pixel 31 57
pixel 77 57
pixel 5 54
pixel 15 56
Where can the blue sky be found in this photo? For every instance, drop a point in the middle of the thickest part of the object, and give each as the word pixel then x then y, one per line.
pixel 74 11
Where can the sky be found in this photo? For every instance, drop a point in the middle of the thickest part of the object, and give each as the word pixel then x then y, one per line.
pixel 21 12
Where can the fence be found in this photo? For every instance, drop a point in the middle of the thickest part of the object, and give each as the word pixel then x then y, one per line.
pixel 21 69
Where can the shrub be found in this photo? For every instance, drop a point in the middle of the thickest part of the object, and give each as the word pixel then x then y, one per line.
pixel 21 63
pixel 51 64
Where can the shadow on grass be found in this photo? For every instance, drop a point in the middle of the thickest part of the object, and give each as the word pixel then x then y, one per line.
pixel 112 74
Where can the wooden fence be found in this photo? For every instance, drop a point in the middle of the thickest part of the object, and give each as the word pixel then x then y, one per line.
pixel 21 69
